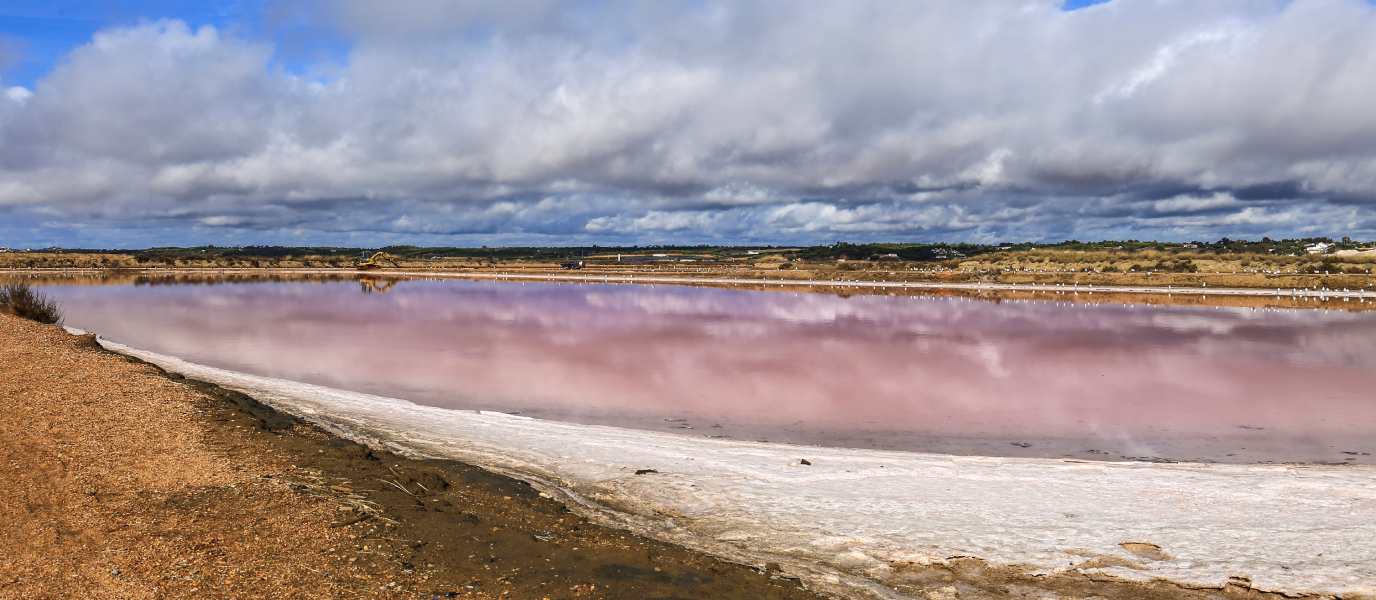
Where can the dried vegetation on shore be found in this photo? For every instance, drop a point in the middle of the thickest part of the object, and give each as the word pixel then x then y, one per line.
pixel 20 300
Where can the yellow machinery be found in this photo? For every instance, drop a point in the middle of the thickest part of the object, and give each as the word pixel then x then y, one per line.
pixel 367 263
pixel 370 284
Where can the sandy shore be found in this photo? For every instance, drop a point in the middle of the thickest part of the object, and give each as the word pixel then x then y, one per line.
pixel 123 481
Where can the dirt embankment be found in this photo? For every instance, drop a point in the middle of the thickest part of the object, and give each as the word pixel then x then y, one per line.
pixel 122 481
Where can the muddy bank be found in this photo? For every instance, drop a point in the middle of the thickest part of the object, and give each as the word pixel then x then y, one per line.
pixel 458 528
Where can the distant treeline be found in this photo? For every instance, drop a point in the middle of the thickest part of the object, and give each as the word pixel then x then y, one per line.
pixel 837 251
pixel 944 251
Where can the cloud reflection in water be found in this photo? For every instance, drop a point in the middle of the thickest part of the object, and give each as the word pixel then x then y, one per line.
pixel 941 374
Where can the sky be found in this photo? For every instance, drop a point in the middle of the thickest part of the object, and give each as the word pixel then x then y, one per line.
pixel 137 123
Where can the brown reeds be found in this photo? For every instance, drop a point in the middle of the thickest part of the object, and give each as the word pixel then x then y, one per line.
pixel 21 300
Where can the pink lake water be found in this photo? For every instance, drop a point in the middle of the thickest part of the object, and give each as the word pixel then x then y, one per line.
pixel 932 374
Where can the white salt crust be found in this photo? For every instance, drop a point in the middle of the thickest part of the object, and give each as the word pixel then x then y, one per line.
pixel 842 521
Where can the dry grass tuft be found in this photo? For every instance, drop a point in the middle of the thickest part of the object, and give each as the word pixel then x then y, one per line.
pixel 19 299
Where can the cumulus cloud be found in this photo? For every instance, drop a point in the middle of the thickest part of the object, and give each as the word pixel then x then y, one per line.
pixel 549 120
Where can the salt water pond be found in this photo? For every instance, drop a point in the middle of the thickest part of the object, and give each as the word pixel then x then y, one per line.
pixel 648 404
pixel 933 374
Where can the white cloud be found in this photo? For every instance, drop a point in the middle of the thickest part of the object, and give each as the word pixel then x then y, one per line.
pixel 221 221
pixel 18 95
pixel 738 194
pixel 1188 203
pixel 767 118
pixel 1202 44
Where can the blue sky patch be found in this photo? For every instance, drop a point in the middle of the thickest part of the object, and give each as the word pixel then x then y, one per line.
pixel 40 34
pixel 1078 4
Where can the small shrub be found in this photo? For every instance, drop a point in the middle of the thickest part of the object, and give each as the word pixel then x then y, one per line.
pixel 20 300
pixel 1182 266
pixel 785 266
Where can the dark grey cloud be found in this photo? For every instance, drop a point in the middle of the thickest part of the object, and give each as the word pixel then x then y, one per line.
pixel 557 120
